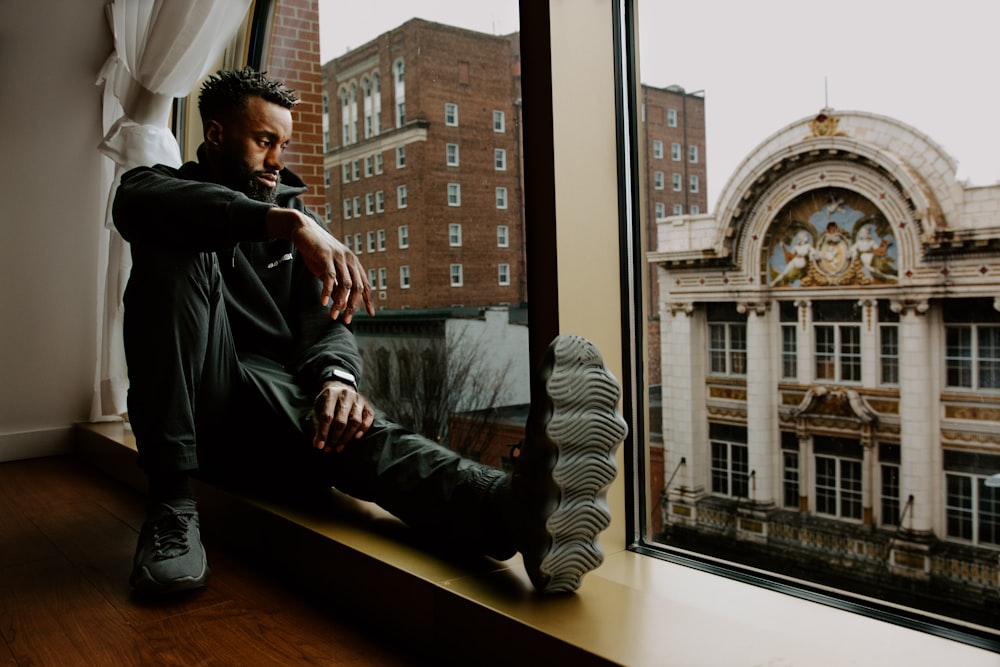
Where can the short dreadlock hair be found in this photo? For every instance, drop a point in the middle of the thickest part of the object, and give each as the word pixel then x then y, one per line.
pixel 228 90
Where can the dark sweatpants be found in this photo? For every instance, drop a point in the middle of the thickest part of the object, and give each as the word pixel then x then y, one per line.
pixel 195 405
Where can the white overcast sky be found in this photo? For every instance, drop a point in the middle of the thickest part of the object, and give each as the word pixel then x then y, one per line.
pixel 766 63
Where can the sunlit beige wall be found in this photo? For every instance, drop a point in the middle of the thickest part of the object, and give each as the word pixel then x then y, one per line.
pixel 585 148
pixel 50 110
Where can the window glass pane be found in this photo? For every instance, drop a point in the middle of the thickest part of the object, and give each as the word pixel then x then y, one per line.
pixel 876 387
pixel 407 169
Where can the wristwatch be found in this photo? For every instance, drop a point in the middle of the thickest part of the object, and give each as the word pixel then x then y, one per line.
pixel 345 376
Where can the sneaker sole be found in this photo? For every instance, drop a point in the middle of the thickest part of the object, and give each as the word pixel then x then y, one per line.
pixel 143 582
pixel 584 428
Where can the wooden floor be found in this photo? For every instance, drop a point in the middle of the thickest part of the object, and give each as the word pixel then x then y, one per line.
pixel 67 533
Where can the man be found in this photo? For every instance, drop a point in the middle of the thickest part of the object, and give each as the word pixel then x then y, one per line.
pixel 243 369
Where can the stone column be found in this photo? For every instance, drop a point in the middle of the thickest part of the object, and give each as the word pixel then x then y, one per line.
pixel 685 425
pixel 763 438
pixel 919 425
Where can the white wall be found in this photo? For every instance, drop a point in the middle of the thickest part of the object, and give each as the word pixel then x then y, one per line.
pixel 50 112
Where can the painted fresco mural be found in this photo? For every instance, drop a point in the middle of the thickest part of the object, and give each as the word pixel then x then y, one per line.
pixel 830 237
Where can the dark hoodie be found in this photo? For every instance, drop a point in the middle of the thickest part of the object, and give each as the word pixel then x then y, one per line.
pixel 271 297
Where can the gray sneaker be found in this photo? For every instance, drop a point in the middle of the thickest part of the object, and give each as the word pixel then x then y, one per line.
pixel 558 490
pixel 169 556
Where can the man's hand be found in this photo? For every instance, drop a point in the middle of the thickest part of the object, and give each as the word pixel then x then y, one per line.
pixel 340 416
pixel 340 270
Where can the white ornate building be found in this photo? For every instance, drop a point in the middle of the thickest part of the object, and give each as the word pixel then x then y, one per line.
pixel 831 360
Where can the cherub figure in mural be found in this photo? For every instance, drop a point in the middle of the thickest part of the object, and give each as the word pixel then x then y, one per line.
pixel 797 258
pixel 870 252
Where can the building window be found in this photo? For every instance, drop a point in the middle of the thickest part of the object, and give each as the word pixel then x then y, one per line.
pixel 972 509
pixel 354 112
pixel 657 149
pixel 399 79
pixel 889 353
pixel 347 209
pixel 451 155
pixel 345 172
pixel 499 122
pixel 671 117
pixel 677 183
pixel 404 236
pixel 890 494
pixel 371 241
pixel 366 97
pixel 401 196
pixel 503 236
pixel 368 166
pixel 326 178
pixel 730 460
pixel 790 490
pixel 345 115
pixel 379 201
pixel 675 152
pixel 377 95
pixel 500 159
pixel 371 277
pixel 678 209
pixel 503 274
pixel 972 356
pixel 357 207
pixel 661 210
pixel 382 278
pixel 693 154
pixel 455 235
pixel 378 163
pixel 451 114
pixel 349 242
pixel 356 169
pixel 658 180
pixel 693 181
pixel 454 194
pixel 789 351
pixel 400 157
pixel 727 344
pixel 838 487
pixel 357 243
pixel 329 213
pixel 381 240
pixel 404 277
pixel 369 203
pixel 838 477
pixel 838 352
pixel 456 275
pixel 695 209
pixel 501 198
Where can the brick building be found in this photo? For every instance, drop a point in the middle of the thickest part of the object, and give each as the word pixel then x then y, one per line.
pixel 423 165
pixel 292 56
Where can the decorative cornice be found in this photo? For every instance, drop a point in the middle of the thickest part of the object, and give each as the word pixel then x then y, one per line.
pixel 903 306
pixel 835 401
pixel 687 307
pixel 758 307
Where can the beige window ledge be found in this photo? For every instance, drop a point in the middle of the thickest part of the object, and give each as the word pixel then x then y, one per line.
pixel 633 610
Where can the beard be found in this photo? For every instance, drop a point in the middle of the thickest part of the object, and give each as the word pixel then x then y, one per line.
pixel 237 175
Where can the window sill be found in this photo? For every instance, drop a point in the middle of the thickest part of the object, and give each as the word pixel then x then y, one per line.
pixel 633 610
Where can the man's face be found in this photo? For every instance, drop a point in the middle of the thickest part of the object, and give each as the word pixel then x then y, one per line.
pixel 250 146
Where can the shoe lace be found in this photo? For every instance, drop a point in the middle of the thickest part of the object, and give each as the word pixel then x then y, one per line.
pixel 170 535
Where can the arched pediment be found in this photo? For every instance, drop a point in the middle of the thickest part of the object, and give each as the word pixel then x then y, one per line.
pixel 891 164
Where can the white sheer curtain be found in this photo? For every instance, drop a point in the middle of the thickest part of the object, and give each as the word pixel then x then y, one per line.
pixel 162 49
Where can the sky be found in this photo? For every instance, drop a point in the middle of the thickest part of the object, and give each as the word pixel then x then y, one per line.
pixel 765 64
